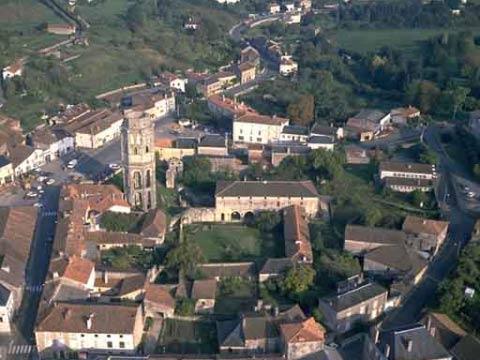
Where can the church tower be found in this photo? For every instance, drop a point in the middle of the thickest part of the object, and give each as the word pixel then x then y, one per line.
pixel 138 157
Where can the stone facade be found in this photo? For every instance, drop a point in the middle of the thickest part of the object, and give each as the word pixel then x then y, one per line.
pixel 138 157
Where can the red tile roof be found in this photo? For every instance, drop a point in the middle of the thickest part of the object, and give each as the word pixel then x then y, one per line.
pixel 305 331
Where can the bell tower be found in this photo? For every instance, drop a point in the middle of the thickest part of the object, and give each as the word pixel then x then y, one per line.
pixel 138 157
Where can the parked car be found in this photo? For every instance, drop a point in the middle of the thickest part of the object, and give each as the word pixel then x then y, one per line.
pixel 31 194
pixel 72 163
pixel 50 181
pixel 114 166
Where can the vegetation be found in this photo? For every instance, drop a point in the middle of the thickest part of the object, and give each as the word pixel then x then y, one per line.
pixel 183 337
pixel 236 295
pixel 184 257
pixel 451 294
pixel 297 280
pixel 185 307
pixel 112 221
pixel 130 257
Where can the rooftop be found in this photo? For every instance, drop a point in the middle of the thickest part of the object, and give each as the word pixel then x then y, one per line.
pixel 213 140
pixel 266 189
pixel 304 331
pixel 262 119
pixel 204 289
pixel 296 234
pixel 397 166
pixel 373 235
pixel 295 130
pixel 72 268
pixel 344 301
pixel 154 224
pixel 417 225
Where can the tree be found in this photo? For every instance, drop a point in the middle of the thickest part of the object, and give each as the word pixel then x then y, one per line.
pixel 185 307
pixel 266 221
pixel 328 163
pixel 298 280
pixel 418 198
pixel 476 171
pixel 184 258
pixel 458 96
pixel 302 111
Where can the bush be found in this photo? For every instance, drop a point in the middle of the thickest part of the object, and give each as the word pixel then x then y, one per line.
pixel 112 221
pixel 185 307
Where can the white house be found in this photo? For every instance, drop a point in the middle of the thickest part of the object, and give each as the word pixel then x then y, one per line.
pixel 53 143
pixel 7 307
pixel 289 7
pixel 287 65
pixel 258 129
pixel 170 79
pixel 274 8
pixel 321 142
pixel 25 158
pixel 15 69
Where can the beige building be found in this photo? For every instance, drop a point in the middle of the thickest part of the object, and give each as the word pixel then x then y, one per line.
pixel 156 103
pixel 99 132
pixel 363 303
pixel 68 328
pixel 61 29
pixel 158 302
pixel 258 129
pixel 246 72
pixel 24 158
pixel 138 156
pixel 213 145
pixel 301 339
pixel 425 234
pixel 407 177
pixel 177 149
pixel 223 107
pixel 235 200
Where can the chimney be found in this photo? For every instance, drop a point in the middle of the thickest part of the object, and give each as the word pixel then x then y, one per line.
pixel 387 351
pixel 409 345
pixel 89 321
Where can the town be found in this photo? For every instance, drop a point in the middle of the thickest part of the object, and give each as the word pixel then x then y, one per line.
pixel 244 205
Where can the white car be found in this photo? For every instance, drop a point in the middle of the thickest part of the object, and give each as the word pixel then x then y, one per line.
pixel 39 187
pixel 31 194
pixel 114 166
pixel 38 205
pixel 471 194
pixel 41 178
pixel 72 163
pixel 50 181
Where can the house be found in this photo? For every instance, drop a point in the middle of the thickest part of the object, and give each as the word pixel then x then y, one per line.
pixel 95 128
pixel 356 155
pixel 321 142
pixel 73 327
pixel 210 86
pixel 246 72
pixel 235 200
pixel 16 236
pixel 154 226
pixel 443 329
pixel 287 66
pixel 401 116
pixel 359 347
pixel 292 18
pixel 97 241
pixel 258 129
pixel 12 70
pixel 411 342
pixel 70 114
pixel 280 152
pixel 6 171
pixel 254 333
pixel 178 149
pixel 190 24
pixel 367 124
pixel 155 102
pixel 289 7
pixel 223 107
pixel 24 158
pixel 274 267
pixel 204 293
pixel 274 8
pixel 407 177
pixel 53 142
pixel 170 80
pixel 425 234
pixel 72 270
pixel 361 239
pixel 219 271
pixel 294 133
pixel 363 303
pixel 328 131
pixel 296 235
pixel 213 145
pixel 158 302
pixel 61 29
pixel 304 5
pixel 251 55
pixel 7 309
pixel 302 339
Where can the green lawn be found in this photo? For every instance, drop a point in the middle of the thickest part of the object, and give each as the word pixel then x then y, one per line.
pixel 234 242
pixel 181 336
pixel 364 41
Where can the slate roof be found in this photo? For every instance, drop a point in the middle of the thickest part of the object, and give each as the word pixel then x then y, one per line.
pixel 447 332
pixel 107 319
pixel 4 295
pixel 212 140
pixel 346 300
pixel 3 161
pixel 266 188
pixel 185 143
pixel 468 348
pixel 321 140
pixel 373 235
pixel 295 130
pixel 407 167
pixel 319 129
pixel 399 181
pixel 424 346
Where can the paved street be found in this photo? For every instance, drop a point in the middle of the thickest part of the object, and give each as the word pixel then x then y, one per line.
pixel 461 224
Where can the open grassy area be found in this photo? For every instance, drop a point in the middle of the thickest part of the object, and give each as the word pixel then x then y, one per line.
pixel 234 242
pixel 408 40
pixel 181 337
pixel 236 297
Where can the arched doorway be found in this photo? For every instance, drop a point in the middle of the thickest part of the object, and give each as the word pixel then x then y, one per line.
pixel 248 218
pixel 236 216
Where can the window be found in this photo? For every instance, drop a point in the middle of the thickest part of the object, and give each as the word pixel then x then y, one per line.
pixel 122 345
pixel 96 335
pixel 240 138
pixel 137 180
pixel 121 336
pixel 146 149
pixel 147 178
pixel 109 344
pixel 1 319
pixel 109 336
pixel 82 335
pixel 135 151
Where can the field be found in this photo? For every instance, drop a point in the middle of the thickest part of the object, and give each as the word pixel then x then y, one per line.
pixel 234 242
pixel 364 41
pixel 181 336
pixel 20 28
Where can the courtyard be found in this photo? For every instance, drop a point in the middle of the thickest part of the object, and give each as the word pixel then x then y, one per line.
pixel 226 242
pixel 185 336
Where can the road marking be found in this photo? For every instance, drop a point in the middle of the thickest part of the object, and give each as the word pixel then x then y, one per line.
pixel 49 213
pixel 34 288
pixel 19 349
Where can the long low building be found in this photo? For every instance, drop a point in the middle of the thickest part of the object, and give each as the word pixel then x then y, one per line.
pixel 235 200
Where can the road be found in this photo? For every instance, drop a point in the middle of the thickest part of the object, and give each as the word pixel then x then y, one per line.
pixel 461 223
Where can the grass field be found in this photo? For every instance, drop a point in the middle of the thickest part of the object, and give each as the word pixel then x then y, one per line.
pixel 183 337
pixel 234 242
pixel 364 41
